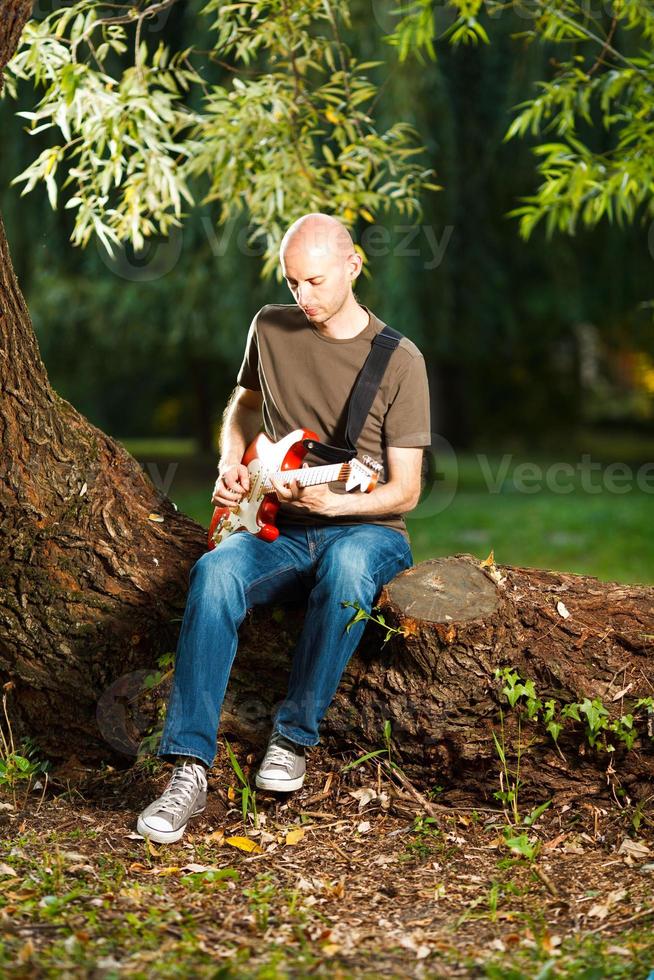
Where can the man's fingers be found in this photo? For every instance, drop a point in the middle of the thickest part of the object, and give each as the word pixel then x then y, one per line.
pixel 227 491
pixel 236 477
pixel 244 476
pixel 285 492
pixel 235 485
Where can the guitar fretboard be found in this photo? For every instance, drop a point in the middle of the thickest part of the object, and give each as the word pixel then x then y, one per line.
pixel 308 476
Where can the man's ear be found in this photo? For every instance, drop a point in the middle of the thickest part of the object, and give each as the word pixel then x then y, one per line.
pixel 355 262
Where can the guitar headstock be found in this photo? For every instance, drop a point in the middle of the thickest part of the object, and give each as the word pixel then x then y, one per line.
pixel 364 473
pixel 372 464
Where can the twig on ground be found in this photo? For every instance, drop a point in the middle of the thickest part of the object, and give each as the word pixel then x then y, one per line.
pixel 623 922
pixel 547 881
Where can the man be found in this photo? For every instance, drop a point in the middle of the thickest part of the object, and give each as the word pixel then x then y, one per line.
pixel 300 364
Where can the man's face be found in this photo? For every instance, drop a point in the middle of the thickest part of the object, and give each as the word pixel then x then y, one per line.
pixel 319 276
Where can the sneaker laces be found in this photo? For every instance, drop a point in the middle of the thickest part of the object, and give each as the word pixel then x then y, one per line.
pixel 277 755
pixel 183 784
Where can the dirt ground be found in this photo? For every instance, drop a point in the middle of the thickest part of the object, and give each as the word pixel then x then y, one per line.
pixel 348 878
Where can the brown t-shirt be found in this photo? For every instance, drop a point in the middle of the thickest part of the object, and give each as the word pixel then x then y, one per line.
pixel 306 379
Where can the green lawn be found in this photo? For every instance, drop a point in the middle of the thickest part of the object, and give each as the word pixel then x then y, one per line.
pixel 604 526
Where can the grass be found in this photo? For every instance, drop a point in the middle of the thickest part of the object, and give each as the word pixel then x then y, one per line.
pixel 479 502
pixel 98 913
pixel 583 958
pixel 606 536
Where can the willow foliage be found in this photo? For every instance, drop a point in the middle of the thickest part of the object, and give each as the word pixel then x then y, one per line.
pixel 291 131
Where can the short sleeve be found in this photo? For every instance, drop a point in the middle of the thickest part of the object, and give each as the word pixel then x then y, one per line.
pixel 248 374
pixel 407 422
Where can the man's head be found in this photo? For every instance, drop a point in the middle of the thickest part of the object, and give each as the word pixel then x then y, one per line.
pixel 319 263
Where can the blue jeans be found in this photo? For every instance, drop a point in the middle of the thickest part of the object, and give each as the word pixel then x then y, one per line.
pixel 327 564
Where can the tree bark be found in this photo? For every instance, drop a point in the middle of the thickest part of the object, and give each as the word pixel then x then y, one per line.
pixel 89 583
pixel 14 14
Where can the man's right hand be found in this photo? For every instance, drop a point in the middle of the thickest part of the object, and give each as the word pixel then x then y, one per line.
pixel 231 486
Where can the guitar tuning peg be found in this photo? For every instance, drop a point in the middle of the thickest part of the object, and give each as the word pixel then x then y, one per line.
pixel 372 463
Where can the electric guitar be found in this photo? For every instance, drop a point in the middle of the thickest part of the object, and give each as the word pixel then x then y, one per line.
pixel 257 510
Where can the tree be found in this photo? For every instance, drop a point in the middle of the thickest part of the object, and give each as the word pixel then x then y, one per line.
pixel 602 74
pixel 95 558
pixel 289 133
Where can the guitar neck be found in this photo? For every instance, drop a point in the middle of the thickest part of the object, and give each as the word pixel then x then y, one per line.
pixel 308 476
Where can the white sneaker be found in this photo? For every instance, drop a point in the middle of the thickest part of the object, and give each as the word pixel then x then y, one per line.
pixel 185 795
pixel 283 768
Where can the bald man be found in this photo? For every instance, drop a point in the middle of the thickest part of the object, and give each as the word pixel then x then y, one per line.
pixel 300 364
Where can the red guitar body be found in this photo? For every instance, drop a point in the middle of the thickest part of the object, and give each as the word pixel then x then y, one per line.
pixel 257 511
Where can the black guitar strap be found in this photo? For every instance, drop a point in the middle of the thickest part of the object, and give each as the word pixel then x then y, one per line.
pixel 361 398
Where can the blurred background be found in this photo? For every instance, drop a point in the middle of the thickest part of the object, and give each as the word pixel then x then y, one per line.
pixel 540 354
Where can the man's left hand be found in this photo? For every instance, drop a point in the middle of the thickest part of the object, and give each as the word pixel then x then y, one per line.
pixel 314 500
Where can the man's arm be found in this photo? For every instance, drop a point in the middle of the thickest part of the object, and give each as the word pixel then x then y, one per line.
pixel 399 494
pixel 242 420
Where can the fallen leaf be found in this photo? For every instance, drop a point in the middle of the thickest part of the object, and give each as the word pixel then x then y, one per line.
pixel 6 869
pixel 551 845
pixel 138 866
pixel 364 795
pixel 601 909
pixel 295 835
pixel 618 951
pixel 337 889
pixel 244 844
pixel 634 849
pixel 73 856
pixel 621 694
pixel 156 517
pixel 217 835
pixel 195 868
pixel 364 827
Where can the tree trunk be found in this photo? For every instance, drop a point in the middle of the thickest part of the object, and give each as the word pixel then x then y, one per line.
pixel 89 582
